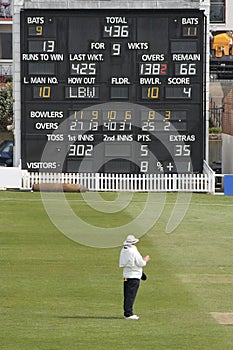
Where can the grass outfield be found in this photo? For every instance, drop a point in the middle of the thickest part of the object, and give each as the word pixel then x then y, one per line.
pixel 56 294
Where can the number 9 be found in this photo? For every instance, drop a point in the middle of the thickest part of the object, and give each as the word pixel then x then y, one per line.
pixel 39 30
pixel 116 49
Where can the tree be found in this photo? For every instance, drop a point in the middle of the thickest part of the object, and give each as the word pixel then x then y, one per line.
pixel 6 106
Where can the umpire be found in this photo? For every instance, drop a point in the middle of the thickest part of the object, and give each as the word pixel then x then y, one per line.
pixel 132 263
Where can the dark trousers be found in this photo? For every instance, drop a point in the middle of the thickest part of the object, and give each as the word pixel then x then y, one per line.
pixel 131 286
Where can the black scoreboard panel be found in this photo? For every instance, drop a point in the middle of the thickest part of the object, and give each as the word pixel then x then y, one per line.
pixel 117 91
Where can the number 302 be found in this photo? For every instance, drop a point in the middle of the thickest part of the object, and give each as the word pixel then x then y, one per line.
pixel 80 150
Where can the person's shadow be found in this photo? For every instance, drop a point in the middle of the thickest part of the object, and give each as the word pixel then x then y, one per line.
pixel 91 317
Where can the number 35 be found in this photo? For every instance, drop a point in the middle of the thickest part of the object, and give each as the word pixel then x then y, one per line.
pixel 182 150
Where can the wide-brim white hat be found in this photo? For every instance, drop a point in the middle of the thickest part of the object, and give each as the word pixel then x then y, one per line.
pixel 131 240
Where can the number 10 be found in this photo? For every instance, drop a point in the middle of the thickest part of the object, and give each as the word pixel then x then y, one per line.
pixel 45 91
pixel 153 92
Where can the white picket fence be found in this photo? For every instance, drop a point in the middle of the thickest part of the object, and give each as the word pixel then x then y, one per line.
pixel 128 182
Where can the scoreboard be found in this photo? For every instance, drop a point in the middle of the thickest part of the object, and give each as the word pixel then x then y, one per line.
pixel 112 91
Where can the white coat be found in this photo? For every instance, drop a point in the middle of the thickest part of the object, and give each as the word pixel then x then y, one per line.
pixel 131 261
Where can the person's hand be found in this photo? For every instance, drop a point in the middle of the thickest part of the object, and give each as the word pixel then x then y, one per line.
pixel 146 258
